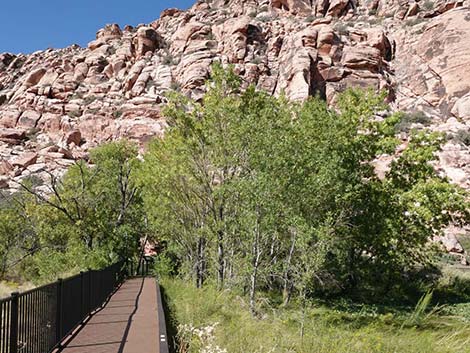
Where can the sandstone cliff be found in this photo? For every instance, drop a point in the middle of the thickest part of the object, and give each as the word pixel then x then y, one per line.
pixel 57 104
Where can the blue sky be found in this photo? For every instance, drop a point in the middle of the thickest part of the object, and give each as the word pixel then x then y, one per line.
pixel 30 25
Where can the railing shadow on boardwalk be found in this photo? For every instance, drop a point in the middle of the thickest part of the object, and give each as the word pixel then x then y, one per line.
pixel 39 320
pixel 129 321
pixel 69 343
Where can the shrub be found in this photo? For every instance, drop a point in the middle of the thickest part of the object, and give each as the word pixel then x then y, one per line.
pixel 453 286
pixel 75 114
pixel 414 21
pixel 415 117
pixel 175 86
pixel 117 114
pixel 168 59
pixel 257 60
pixel 150 83
pixel 266 18
pixel 462 137
pixel 32 134
pixel 310 18
pixel 89 99
pixel 428 5
pixel 342 28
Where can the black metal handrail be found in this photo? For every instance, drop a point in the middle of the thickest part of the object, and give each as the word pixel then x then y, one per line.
pixel 37 321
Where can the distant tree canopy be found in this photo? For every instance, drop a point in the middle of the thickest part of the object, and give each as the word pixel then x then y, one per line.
pixel 249 191
pixel 91 217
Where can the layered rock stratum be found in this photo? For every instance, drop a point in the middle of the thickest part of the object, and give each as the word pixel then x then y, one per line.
pixel 55 105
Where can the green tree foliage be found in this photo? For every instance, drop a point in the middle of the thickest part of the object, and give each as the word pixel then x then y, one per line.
pixel 91 217
pixel 252 192
pixel 16 236
pixel 257 192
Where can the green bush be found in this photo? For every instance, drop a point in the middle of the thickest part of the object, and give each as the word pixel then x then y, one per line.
pixel 310 18
pixel 428 5
pixel 415 117
pixel 342 28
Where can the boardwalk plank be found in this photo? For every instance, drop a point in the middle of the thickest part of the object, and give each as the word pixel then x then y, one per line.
pixel 127 324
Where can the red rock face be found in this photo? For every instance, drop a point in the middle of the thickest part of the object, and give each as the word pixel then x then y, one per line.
pixel 61 103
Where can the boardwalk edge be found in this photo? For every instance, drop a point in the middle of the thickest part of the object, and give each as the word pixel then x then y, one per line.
pixel 162 332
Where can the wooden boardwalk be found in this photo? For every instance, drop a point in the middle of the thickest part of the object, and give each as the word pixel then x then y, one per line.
pixel 128 323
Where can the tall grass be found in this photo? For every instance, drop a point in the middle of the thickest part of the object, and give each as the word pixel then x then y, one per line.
pixel 211 321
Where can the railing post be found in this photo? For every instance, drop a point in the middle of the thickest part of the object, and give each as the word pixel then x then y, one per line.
pixel 90 281
pixel 82 297
pixel 125 273
pixel 59 312
pixel 14 323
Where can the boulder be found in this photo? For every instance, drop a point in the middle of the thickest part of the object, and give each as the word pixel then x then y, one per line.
pixel 147 40
pixel 362 57
pixel 12 134
pixel 5 167
pixel 74 137
pixel 109 32
pixel 34 77
pixel 293 6
pixel 9 119
pixel 337 7
pixel 25 160
pixel 29 119
pixel 4 182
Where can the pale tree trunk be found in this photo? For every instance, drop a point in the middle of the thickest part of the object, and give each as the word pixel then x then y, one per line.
pixel 256 256
pixel 220 247
pixel 200 262
pixel 287 290
pixel 302 322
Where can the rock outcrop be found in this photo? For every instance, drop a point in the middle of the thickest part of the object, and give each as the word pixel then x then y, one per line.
pixel 57 104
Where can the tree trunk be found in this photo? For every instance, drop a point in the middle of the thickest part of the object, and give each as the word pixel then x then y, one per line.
pixel 287 290
pixel 200 263
pixel 352 277
pixel 220 259
pixel 256 255
pixel 302 322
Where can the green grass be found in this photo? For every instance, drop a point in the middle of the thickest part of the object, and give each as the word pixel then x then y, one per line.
pixel 211 321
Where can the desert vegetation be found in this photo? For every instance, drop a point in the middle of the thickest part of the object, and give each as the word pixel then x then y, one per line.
pixel 272 219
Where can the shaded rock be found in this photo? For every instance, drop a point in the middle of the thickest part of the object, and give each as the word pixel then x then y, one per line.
pixel 34 77
pixel 147 40
pixel 29 119
pixel 4 182
pixel 12 134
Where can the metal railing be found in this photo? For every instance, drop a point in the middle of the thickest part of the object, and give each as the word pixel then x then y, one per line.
pixel 141 268
pixel 38 320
